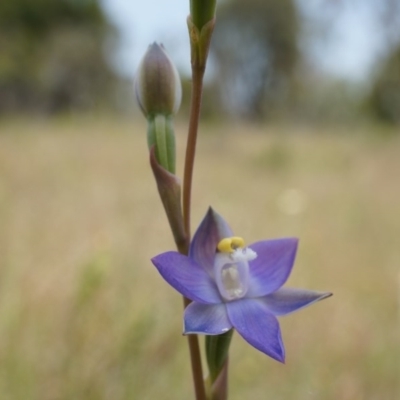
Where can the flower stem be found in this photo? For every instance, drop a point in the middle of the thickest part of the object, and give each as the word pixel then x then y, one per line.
pixel 194 348
pixel 195 358
pixel 197 85
pixel 200 38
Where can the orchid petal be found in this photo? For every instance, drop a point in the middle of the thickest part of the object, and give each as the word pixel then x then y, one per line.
pixel 207 319
pixel 187 277
pixel 274 262
pixel 287 300
pixel 257 326
pixel 211 231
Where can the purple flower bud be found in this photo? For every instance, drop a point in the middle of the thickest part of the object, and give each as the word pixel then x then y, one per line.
pixel 157 84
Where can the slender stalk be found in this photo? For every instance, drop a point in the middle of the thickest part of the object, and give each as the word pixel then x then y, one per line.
pixel 195 359
pixel 197 85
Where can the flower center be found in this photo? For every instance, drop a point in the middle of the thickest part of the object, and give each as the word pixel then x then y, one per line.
pixel 231 267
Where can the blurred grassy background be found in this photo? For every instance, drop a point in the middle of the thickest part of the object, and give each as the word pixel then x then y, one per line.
pixel 84 314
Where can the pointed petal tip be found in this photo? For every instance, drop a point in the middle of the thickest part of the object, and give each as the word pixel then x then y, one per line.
pixel 160 260
pixel 295 241
pixel 281 359
pixel 156 259
pixel 277 355
pixel 210 212
pixel 211 230
pixel 287 300
pixel 322 295
pixel 281 355
pixel 325 295
pixel 253 321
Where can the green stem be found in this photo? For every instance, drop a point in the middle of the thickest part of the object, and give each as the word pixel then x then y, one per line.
pixel 199 41
pixel 202 11
pixel 197 369
pixel 195 359
pixel 197 85
pixel 217 348
pixel 197 88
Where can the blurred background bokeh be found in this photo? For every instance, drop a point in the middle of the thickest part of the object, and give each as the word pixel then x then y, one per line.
pixel 292 60
pixel 300 137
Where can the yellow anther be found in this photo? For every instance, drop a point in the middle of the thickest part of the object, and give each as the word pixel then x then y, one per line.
pixel 228 245
pixel 237 242
pixel 224 246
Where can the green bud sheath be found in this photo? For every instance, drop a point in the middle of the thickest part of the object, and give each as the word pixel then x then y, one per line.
pixel 217 348
pixel 169 189
pixel 161 135
pixel 202 11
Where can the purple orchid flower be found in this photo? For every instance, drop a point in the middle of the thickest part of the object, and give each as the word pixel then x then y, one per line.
pixel 233 286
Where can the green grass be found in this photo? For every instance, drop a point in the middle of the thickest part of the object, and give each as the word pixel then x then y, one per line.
pixel 85 316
